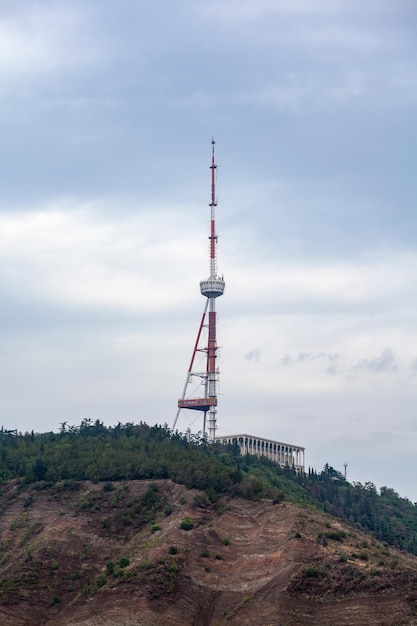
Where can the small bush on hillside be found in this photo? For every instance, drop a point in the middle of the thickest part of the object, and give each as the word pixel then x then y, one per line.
pixel 335 535
pixel 187 524
pixel 101 580
pixel 201 500
pixel 311 572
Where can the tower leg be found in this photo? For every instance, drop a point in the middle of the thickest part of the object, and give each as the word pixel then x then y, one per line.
pixel 189 373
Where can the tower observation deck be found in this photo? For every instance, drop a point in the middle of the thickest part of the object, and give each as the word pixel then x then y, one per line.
pixel 204 397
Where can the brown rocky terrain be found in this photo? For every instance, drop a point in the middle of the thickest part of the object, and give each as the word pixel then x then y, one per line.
pixel 115 554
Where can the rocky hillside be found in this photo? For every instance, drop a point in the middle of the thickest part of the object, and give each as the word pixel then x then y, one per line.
pixel 155 553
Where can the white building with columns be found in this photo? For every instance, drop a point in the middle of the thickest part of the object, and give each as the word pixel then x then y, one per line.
pixel 284 454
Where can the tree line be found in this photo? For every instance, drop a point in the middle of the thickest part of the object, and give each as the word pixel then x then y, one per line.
pixel 92 451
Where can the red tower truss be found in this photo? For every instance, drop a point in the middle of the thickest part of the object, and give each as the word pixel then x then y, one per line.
pixel 211 288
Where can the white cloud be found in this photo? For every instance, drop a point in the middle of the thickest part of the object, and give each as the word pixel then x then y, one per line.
pixel 69 257
pixel 140 262
pixel 309 287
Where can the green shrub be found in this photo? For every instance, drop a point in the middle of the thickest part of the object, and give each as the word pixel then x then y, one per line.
pixel 29 500
pixel 67 485
pixel 124 561
pixel 101 580
pixel 105 521
pixel 331 534
pixel 201 500
pixel 155 528
pixel 311 572
pixel 225 541
pixel 84 504
pixel 85 552
pixel 336 536
pixel 173 549
pixel 205 553
pixel 187 524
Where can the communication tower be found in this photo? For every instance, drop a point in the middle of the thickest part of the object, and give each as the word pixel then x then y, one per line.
pixel 204 397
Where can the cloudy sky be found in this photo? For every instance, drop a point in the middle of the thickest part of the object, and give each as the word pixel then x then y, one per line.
pixel 106 115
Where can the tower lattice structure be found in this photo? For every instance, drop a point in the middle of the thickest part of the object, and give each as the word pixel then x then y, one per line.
pixel 211 288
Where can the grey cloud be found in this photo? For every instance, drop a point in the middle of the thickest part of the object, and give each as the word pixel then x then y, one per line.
pixel 302 357
pixel 386 362
pixel 254 356
pixel 332 370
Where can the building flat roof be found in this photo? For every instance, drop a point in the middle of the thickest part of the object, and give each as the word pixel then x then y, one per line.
pixel 281 443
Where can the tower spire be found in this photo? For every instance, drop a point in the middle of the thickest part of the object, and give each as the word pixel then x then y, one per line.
pixel 213 204
pixel 211 288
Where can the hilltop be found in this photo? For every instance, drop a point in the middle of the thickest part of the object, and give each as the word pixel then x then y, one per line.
pixel 218 539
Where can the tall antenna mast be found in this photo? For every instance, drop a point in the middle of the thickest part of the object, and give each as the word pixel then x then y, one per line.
pixel 211 288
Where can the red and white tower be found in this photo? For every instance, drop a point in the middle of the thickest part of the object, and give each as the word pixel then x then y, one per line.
pixel 212 288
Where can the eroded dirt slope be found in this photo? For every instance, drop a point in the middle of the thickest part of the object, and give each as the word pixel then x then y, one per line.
pixel 86 554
